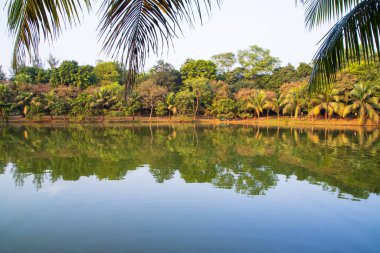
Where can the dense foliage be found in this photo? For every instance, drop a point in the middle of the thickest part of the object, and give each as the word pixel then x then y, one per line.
pixel 248 84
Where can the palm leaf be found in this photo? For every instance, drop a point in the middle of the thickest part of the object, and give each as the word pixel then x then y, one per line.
pixel 323 11
pixel 132 29
pixel 30 21
pixel 354 38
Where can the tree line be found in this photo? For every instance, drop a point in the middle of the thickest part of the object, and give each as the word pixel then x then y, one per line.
pixel 246 84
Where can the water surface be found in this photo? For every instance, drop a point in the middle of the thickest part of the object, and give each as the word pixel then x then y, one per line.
pixel 188 189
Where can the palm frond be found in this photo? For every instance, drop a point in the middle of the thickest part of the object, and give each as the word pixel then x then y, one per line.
pixel 322 11
pixel 132 29
pixel 354 38
pixel 30 21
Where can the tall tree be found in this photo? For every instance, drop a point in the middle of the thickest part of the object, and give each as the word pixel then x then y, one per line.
pixel 150 95
pixel 257 61
pixel 198 69
pixel 224 61
pixel 106 72
pixel 201 89
pixel 164 74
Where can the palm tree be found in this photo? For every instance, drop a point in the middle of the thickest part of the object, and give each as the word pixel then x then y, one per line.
pixel 103 100
pixel 326 101
pixel 353 38
pixel 130 29
pixel 23 101
pixel 365 103
pixel 51 100
pixel 293 103
pixel 170 103
pixel 275 105
pixel 257 103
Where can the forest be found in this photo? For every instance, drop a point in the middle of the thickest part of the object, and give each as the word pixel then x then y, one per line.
pixel 247 84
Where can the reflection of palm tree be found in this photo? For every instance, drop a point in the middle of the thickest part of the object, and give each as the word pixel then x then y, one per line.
pixel 365 102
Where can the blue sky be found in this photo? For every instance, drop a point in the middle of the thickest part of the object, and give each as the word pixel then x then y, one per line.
pixel 277 25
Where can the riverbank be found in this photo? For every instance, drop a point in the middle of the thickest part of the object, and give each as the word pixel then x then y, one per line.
pixel 270 121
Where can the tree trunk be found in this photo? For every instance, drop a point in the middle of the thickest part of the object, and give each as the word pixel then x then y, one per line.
pixel 151 113
pixel 278 116
pixel 326 111
pixel 196 108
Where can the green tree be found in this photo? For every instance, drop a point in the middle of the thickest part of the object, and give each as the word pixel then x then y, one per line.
pixel 26 75
pixel 304 70
pixel 243 98
pixel 293 103
pixel 257 61
pixel 280 76
pixel 85 76
pixel 274 104
pixel 43 76
pixel 5 101
pixel 170 102
pixel 67 72
pixel 107 72
pixel 365 102
pixel 133 104
pixel 257 103
pixel 23 101
pixel 184 102
pixel 103 100
pixel 224 61
pixel 161 108
pixel 201 89
pixel 224 108
pixel 192 69
pixel 165 75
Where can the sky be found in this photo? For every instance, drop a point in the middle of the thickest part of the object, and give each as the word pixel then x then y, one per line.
pixel 277 25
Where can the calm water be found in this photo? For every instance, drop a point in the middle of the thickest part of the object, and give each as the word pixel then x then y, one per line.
pixel 188 189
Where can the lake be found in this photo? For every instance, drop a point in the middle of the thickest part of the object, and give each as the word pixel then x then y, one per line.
pixel 188 188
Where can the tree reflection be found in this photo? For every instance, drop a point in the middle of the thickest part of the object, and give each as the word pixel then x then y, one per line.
pixel 246 159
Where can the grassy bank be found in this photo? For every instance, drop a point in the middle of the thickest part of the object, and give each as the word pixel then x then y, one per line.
pixel 270 121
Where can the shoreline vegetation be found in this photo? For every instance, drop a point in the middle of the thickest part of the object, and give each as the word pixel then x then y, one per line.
pixel 271 121
pixel 247 87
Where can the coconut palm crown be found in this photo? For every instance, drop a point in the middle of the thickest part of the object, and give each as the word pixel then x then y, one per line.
pixel 353 38
pixel 365 102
